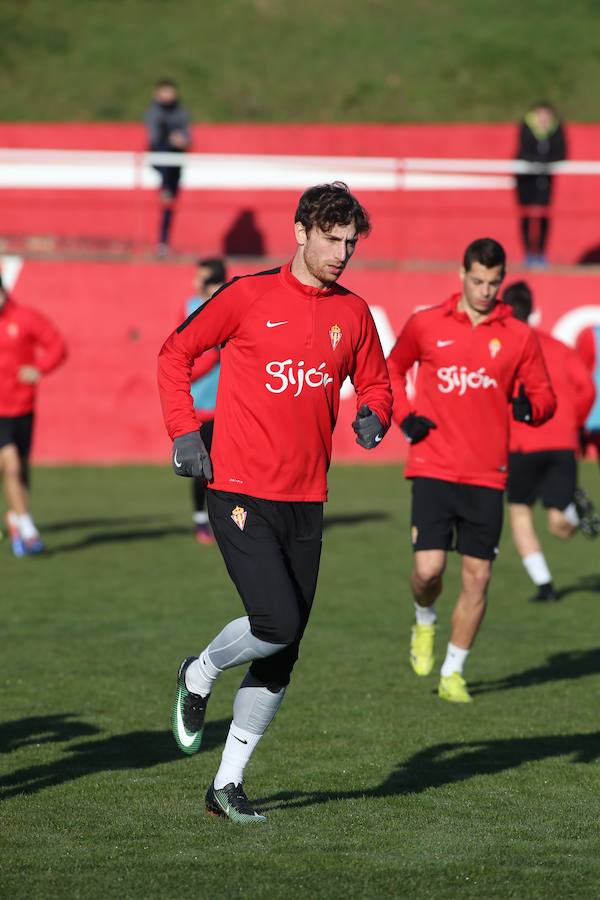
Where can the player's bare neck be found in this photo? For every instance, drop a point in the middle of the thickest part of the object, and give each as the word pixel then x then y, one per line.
pixel 475 317
pixel 300 271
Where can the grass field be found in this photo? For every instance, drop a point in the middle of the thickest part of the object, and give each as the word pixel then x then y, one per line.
pixel 271 61
pixel 373 786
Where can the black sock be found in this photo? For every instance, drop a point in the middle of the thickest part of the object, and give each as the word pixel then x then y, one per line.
pixel 165 225
pixel 199 494
pixel 525 220
pixel 544 225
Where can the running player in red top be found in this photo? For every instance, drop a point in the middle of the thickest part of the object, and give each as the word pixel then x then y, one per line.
pixel 587 346
pixel 470 351
pixel 30 347
pixel 290 337
pixel 543 461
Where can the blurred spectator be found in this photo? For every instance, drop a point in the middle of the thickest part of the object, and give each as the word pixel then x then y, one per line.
pixel 30 347
pixel 541 140
pixel 167 122
pixel 210 276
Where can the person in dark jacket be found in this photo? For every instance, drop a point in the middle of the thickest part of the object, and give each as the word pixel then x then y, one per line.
pixel 541 140
pixel 167 124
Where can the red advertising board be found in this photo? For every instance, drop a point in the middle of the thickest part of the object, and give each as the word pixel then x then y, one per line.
pixel 102 405
pixel 412 220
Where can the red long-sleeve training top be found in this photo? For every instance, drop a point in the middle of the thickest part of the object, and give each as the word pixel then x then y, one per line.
pixel 288 348
pixel 575 393
pixel 27 338
pixel 464 384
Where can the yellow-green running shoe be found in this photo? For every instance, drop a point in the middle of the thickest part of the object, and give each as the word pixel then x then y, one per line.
pixel 454 688
pixel 421 649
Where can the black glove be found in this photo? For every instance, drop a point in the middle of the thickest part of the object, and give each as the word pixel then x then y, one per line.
pixel 416 428
pixel 190 456
pixel 368 428
pixel 521 405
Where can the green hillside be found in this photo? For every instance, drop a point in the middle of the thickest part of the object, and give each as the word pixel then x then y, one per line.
pixel 276 61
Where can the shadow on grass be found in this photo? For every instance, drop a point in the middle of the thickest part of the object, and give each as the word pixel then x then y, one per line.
pixel 117 537
pixel 568 666
pixel 354 519
pixel 98 522
pixel 586 583
pixel 445 764
pixel 136 750
pixel 42 730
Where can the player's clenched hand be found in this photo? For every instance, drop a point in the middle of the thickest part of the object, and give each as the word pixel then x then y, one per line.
pixel 416 428
pixel 368 428
pixel 190 456
pixel 29 375
pixel 521 405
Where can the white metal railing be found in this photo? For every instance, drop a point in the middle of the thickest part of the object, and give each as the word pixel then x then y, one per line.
pixel 124 170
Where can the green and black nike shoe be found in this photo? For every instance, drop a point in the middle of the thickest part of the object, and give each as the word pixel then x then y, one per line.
pixel 230 802
pixel 189 710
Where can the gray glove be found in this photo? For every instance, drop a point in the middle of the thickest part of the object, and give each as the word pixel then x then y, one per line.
pixel 190 457
pixel 368 428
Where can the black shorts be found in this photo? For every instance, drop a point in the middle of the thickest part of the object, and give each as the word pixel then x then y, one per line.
pixel 549 475
pixel 534 190
pixel 18 430
pixel 272 551
pixel 451 516
pixel 169 179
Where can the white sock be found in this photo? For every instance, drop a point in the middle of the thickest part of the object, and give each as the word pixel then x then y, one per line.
pixel 200 517
pixel 201 675
pixel 426 615
pixel 537 568
pixel 570 514
pixel 26 527
pixel 455 660
pixel 239 747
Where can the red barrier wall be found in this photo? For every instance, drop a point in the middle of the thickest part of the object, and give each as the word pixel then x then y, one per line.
pixel 408 225
pixel 102 405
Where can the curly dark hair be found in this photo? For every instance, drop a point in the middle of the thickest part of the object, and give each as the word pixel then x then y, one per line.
pixel 328 205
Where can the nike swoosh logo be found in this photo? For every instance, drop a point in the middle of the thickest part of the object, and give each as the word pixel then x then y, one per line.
pixel 239 739
pixel 178 464
pixel 275 324
pixel 444 343
pixel 186 739
pixel 378 437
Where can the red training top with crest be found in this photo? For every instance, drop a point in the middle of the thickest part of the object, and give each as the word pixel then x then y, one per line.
pixel 575 392
pixel 465 382
pixel 27 338
pixel 287 349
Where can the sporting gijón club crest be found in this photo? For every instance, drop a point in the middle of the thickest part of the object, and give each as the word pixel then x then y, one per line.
pixel 239 516
pixel 335 335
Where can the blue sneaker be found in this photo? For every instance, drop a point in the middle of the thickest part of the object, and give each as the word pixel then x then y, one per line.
pixel 17 544
pixel 33 546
